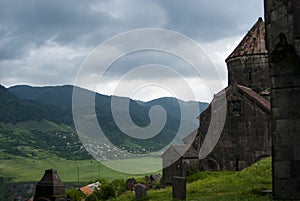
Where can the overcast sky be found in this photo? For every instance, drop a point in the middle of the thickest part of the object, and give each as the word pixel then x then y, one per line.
pixel 45 42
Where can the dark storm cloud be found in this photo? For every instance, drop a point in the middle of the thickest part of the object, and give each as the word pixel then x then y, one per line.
pixel 26 25
pixel 211 20
pixel 45 41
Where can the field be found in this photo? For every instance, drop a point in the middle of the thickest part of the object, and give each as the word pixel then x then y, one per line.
pixel 27 169
pixel 133 166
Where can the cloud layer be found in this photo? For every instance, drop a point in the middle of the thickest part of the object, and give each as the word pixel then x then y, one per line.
pixel 46 42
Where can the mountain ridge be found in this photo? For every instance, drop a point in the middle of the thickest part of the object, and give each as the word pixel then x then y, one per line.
pixel 53 104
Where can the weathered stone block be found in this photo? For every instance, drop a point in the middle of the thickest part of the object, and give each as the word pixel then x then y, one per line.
pixel 179 188
pixel 297 153
pixel 297 18
pixel 285 113
pixel 284 126
pixel 285 81
pixel 282 169
pixel 282 153
pixel 285 68
pixel 296 133
pixel 285 189
pixel 140 191
pixel 295 165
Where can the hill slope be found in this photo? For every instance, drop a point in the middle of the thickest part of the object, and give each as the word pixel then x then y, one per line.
pixel 30 129
pixel 13 109
pixel 37 120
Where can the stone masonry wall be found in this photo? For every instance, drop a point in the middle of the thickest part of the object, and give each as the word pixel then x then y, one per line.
pixel 245 137
pixel 250 71
pixel 283 43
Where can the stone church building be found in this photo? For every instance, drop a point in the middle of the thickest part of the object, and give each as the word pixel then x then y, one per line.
pixel 246 136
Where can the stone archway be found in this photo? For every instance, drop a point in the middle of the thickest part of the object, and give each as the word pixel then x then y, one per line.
pixel 209 164
pixel 260 157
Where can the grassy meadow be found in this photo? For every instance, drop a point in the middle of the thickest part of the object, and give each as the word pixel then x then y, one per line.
pixel 23 169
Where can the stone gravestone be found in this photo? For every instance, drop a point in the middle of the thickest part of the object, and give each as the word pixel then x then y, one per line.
pixel 50 188
pixel 130 184
pixel 179 188
pixel 140 191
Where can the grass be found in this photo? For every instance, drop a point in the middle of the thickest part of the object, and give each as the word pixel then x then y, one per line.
pixel 44 125
pixel 138 165
pixel 23 169
pixel 245 185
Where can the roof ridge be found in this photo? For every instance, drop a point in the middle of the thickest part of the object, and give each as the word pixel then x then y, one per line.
pixel 252 43
pixel 260 100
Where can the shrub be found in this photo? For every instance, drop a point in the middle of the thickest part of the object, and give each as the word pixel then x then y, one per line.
pixel 92 197
pixel 105 192
pixel 192 170
pixel 75 194
pixel 119 186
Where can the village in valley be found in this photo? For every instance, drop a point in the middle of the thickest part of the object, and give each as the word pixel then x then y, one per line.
pixel 246 145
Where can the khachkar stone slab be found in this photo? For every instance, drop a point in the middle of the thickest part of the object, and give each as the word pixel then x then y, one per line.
pixel 140 191
pixel 50 188
pixel 179 188
pixel 282 31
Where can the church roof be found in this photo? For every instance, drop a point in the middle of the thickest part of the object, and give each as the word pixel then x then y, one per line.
pixel 182 150
pixel 190 138
pixel 218 100
pixel 186 151
pixel 245 91
pixel 252 43
pixel 258 99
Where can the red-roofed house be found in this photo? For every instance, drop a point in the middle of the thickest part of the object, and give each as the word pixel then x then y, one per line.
pixel 89 189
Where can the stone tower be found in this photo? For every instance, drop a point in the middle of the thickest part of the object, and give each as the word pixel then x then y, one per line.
pixel 248 63
pixel 50 188
pixel 283 44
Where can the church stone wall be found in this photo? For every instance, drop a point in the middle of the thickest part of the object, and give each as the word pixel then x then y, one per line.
pixel 250 71
pixel 245 137
pixel 283 43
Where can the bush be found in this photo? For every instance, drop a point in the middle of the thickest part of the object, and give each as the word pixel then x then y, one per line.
pixel 75 194
pixel 119 186
pixel 105 192
pixel 192 170
pixel 92 197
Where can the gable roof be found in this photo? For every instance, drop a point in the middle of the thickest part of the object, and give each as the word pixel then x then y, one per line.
pixel 86 190
pixel 258 99
pixel 252 43
pixel 217 100
pixel 183 150
pixel 190 138
pixel 155 177
pixel 89 189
